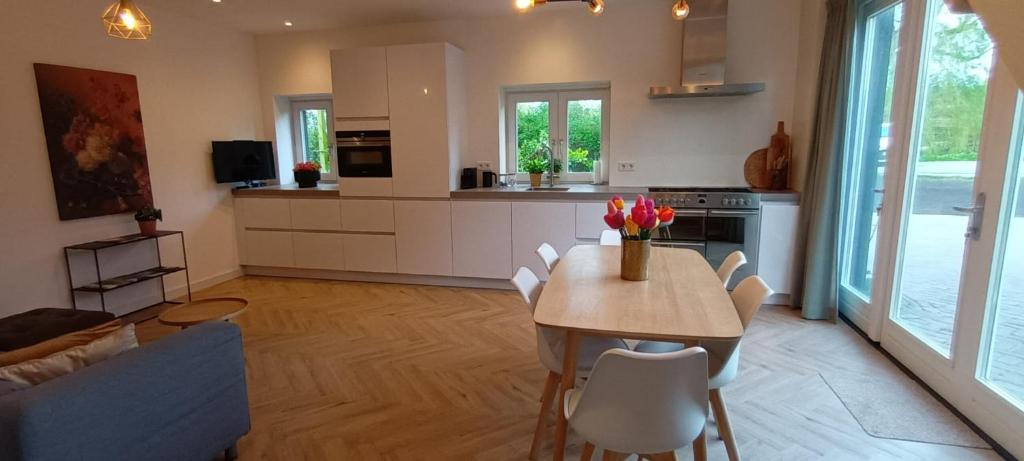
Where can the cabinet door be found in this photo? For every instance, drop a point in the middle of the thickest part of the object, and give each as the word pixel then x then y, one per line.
pixel 368 215
pixel 359 77
pixel 423 237
pixel 316 214
pixel 590 219
pixel 369 253
pixel 482 239
pixel 315 250
pixel 266 213
pixel 269 248
pixel 419 128
pixel 534 223
pixel 776 257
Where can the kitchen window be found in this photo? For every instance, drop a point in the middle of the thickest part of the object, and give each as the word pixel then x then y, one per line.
pixel 312 136
pixel 570 124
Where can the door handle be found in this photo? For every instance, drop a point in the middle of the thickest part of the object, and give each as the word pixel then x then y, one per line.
pixel 976 217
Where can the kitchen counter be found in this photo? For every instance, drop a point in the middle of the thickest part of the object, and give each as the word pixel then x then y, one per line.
pixel 574 192
pixel 289 190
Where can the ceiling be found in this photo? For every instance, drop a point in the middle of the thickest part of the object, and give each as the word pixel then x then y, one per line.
pixel 268 16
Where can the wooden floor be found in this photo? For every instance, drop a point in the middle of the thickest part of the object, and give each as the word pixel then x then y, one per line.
pixel 362 371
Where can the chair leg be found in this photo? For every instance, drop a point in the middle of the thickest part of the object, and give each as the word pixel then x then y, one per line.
pixel 609 455
pixel 546 399
pixel 670 456
pixel 700 447
pixel 724 427
pixel 588 452
pixel 231 453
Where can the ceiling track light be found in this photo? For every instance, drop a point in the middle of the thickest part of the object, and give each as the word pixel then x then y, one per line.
pixel 125 20
pixel 595 6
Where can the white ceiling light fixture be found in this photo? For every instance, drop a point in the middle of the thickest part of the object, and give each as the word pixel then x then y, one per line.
pixel 288 24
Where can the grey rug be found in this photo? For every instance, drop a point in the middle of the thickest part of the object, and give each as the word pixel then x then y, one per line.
pixel 897 407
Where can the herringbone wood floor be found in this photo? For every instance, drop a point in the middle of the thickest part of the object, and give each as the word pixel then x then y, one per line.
pixel 362 371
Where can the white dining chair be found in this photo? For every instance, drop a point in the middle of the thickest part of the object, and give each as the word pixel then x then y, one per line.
pixel 724 356
pixel 611 238
pixel 549 256
pixel 734 261
pixel 644 404
pixel 551 348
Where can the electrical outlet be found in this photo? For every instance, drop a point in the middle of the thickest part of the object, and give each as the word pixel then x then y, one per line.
pixel 627 166
pixel 486 166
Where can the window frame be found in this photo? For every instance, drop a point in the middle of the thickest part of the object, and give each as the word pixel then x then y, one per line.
pixel 298 144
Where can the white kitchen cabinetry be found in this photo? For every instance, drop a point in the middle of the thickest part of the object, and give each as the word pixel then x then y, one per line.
pixel 482 239
pixel 423 237
pixel 269 248
pixel 367 215
pixel 590 220
pixel 266 213
pixel 359 77
pixel 425 96
pixel 534 223
pixel 369 253
pixel 315 214
pixel 776 257
pixel 319 250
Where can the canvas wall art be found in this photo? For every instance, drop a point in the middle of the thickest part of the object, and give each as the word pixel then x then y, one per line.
pixel 93 126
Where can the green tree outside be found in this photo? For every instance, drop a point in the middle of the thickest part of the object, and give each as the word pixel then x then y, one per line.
pixel 584 123
pixel 318 146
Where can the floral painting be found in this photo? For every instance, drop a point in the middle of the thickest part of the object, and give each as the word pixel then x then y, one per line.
pixel 93 126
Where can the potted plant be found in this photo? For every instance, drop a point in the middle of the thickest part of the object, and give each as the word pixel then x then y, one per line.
pixel 147 217
pixel 536 166
pixel 307 174
pixel 636 229
pixel 556 169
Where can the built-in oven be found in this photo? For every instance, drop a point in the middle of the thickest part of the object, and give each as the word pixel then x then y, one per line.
pixel 686 231
pixel 733 230
pixel 364 154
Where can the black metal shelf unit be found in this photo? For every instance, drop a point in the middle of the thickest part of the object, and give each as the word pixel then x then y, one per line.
pixel 106 285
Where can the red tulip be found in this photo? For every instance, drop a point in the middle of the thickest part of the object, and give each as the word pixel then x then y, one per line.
pixel 639 214
pixel 651 222
pixel 666 214
pixel 615 220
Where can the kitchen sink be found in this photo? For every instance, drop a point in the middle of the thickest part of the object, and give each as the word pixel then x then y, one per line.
pixel 548 189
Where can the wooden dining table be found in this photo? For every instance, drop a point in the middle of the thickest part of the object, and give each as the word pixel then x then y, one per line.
pixel 683 301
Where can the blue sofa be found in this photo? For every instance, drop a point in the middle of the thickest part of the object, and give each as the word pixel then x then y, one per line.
pixel 180 398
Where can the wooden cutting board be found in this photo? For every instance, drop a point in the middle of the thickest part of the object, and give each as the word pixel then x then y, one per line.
pixel 755 170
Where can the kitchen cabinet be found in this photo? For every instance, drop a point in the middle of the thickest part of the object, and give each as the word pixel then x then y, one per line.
pixel 369 253
pixel 315 214
pixel 425 97
pixel 359 78
pixel 482 239
pixel 367 215
pixel 534 223
pixel 776 257
pixel 266 213
pixel 318 250
pixel 590 219
pixel 269 248
pixel 423 237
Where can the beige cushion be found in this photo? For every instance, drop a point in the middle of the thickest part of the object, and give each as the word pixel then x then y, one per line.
pixel 60 343
pixel 36 371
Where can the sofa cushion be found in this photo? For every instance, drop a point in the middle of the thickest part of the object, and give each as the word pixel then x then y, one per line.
pixel 38 325
pixel 60 343
pixel 32 372
pixel 7 387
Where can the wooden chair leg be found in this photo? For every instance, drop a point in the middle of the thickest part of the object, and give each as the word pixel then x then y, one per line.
pixel 546 399
pixel 670 456
pixel 724 427
pixel 700 447
pixel 609 455
pixel 588 452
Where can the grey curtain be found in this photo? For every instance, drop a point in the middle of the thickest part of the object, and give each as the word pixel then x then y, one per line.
pixel 819 215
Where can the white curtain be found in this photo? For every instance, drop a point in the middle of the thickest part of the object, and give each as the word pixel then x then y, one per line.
pixel 1004 21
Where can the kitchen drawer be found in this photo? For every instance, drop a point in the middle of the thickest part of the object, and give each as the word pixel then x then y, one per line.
pixel 423 237
pixel 266 213
pixel 269 248
pixel 317 250
pixel 316 214
pixel 369 253
pixel 367 215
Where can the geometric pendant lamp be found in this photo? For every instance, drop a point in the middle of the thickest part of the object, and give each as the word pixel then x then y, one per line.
pixel 125 20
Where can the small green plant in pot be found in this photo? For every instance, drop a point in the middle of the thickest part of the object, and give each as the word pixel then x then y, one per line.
pixel 147 217
pixel 536 166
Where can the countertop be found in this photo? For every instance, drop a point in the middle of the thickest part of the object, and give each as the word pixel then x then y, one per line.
pixel 289 190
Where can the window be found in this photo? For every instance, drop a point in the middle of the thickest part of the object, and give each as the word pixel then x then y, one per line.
pixel 571 125
pixel 312 136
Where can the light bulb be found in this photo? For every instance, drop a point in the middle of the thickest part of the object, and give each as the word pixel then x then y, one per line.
pixel 128 19
pixel 596 6
pixel 680 10
pixel 524 5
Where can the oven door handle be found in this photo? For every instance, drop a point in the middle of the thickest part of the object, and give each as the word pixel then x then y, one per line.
pixel 691 212
pixel 666 244
pixel 733 213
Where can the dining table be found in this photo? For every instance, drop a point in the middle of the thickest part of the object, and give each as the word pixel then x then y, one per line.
pixel 682 301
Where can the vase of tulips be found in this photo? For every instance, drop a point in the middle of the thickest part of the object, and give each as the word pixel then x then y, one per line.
pixel 636 229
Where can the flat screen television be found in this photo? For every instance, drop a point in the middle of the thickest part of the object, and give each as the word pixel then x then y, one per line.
pixel 243 161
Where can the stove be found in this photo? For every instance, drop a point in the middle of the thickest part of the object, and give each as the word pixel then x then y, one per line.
pixel 713 221
pixel 706 197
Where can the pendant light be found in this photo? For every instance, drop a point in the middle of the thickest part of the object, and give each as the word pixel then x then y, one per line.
pixel 680 10
pixel 125 20
pixel 596 6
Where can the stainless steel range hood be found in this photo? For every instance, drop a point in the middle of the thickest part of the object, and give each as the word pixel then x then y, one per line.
pixel 703 56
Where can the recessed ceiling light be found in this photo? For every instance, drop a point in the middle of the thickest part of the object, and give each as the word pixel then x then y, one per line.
pixel 288 23
pixel 216 1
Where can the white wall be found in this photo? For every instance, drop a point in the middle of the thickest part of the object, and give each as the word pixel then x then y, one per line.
pixel 196 84
pixel 633 45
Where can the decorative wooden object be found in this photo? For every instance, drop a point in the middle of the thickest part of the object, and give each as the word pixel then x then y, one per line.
pixel 779 153
pixel 755 170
